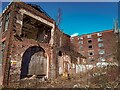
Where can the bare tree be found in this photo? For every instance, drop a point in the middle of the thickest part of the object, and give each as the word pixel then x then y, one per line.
pixel 58 21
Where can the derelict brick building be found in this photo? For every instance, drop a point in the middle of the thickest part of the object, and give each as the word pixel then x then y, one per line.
pixel 32 44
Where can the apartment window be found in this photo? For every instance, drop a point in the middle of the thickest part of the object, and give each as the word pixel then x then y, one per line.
pixel 89 41
pixel 91 60
pixel 80 38
pixel 101 59
pixel 72 39
pixel 0 26
pixel 7 21
pixel 90 47
pixel 100 44
pixel 80 42
pixel 73 65
pixel 90 53
pixel 89 36
pixel 60 53
pixel 81 47
pixel 101 51
pixel 3 46
pixel 100 39
pixel 99 34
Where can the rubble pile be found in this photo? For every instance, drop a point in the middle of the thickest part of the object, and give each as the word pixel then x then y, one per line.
pixel 81 80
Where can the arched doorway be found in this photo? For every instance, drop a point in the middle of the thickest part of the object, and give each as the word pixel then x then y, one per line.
pixel 34 62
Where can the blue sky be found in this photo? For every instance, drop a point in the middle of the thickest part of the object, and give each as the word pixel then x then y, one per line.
pixel 81 17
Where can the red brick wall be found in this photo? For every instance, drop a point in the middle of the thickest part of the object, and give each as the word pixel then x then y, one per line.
pixel 109 41
pixel 14 47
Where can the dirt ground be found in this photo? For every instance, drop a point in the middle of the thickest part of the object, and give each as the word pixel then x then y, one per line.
pixel 88 79
pixel 60 82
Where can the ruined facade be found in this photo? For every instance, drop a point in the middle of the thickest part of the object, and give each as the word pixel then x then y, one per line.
pixel 32 44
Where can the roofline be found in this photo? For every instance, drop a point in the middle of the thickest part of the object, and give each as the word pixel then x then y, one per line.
pixel 4 10
pixel 44 12
pixel 95 32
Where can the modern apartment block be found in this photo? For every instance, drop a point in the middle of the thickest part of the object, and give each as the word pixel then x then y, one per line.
pixel 97 47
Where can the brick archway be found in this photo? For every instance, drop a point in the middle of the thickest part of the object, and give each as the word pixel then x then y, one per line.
pixel 34 62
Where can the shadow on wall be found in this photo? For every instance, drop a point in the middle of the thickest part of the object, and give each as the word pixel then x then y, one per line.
pixel 34 62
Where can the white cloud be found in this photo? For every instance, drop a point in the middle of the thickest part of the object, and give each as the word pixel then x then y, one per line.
pixel 75 34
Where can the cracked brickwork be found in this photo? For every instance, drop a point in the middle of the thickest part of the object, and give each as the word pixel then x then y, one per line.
pixel 30 31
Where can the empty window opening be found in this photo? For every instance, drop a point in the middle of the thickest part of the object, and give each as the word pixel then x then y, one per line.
pixel 6 21
pixel 3 45
pixel 101 59
pixel 80 38
pixel 60 53
pixel 90 47
pixel 99 34
pixel 80 42
pixel 101 51
pixel 91 60
pixel 81 47
pixel 89 41
pixel 3 48
pixel 89 36
pixel 34 62
pixel 100 45
pixel 90 54
pixel 0 25
pixel 71 39
pixel 100 39
pixel 34 29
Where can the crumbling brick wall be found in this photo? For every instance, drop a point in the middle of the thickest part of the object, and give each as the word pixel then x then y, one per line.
pixel 16 45
pixel 57 48
pixel 62 44
pixel 0 52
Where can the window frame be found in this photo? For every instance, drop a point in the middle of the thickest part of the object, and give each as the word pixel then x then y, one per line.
pixel 89 36
pixel 101 53
pixel 6 24
pixel 80 38
pixel 101 59
pixel 99 34
pixel 89 53
pixel 100 45
pixel 90 40
pixel 91 60
pixel 91 47
pixel 100 39
pixel 81 47
pixel 80 42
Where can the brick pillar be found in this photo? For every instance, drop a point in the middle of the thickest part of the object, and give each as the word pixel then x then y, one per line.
pixel 1 77
pixel 53 65
pixel 7 52
pixel 53 59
